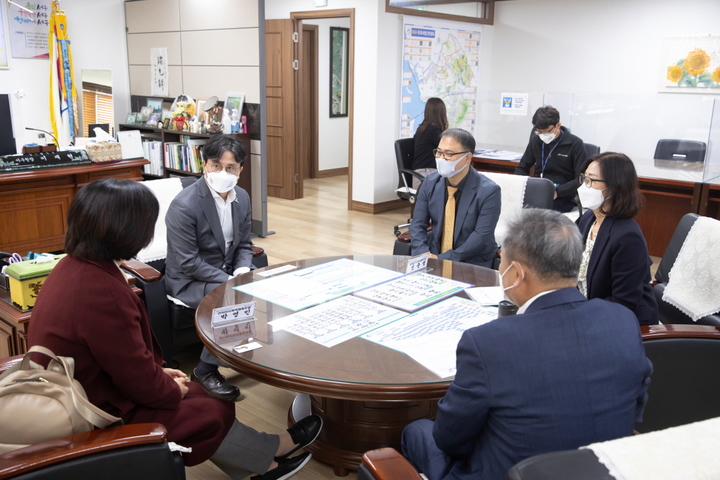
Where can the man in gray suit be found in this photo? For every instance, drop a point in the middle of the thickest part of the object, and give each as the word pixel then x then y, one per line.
pixel 208 239
pixel 462 204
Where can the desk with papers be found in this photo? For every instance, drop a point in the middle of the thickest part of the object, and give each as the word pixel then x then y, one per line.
pixel 372 352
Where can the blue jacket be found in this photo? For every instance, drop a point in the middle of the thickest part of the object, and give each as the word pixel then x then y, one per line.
pixel 566 373
pixel 476 216
pixel 619 267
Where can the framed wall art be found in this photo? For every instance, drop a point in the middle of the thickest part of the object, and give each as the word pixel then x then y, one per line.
pixel 339 51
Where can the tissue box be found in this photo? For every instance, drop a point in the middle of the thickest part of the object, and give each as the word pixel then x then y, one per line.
pixel 104 151
pixel 26 279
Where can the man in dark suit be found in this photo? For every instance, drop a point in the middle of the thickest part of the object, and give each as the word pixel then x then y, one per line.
pixel 208 240
pixel 556 154
pixel 562 373
pixel 457 192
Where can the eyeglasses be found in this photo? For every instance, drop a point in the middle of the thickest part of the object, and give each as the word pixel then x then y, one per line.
pixel 447 155
pixel 216 167
pixel 587 181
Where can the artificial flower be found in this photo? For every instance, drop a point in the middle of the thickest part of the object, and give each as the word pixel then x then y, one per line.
pixel 696 62
pixel 674 73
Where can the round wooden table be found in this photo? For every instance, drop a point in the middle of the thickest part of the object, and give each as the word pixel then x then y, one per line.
pixel 365 393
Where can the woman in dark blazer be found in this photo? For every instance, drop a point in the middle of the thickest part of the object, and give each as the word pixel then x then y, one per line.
pixel 87 310
pixel 427 138
pixel 616 263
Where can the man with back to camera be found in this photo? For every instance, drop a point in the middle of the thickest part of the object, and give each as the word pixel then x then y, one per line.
pixel 208 239
pixel 457 192
pixel 562 373
pixel 557 155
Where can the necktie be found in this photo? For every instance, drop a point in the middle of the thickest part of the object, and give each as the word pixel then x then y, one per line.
pixel 449 221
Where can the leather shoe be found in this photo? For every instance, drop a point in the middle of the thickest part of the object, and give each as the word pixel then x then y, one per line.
pixel 303 433
pixel 216 386
pixel 286 468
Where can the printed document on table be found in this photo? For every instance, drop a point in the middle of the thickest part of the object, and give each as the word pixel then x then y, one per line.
pixel 413 291
pixel 338 320
pixel 431 335
pixel 486 295
pixel 320 283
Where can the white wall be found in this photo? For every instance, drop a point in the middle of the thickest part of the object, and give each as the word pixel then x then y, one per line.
pixel 97 33
pixel 332 131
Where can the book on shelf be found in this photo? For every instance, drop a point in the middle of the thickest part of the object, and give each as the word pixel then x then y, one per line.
pixel 153 150
pixel 185 155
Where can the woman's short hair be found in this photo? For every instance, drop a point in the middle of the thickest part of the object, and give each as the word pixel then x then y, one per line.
pixel 111 219
pixel 219 144
pixel 435 114
pixel 621 184
pixel 463 137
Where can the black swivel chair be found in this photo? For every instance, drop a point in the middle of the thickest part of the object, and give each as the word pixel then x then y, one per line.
pixel 669 313
pixel 680 150
pixel 591 150
pixel 404 154
pixel 137 451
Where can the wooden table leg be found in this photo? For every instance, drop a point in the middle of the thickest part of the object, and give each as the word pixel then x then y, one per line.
pixel 351 428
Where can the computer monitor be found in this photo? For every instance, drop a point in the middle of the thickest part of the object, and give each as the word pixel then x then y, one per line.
pixel 7 137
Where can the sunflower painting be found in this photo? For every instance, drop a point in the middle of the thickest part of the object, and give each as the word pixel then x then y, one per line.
pixel 691 64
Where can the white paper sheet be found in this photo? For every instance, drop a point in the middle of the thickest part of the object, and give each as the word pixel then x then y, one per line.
pixel 431 335
pixel 131 144
pixel 486 295
pixel 414 291
pixel 337 321
pixel 320 283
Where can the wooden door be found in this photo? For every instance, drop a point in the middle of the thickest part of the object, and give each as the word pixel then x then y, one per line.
pixel 308 98
pixel 284 179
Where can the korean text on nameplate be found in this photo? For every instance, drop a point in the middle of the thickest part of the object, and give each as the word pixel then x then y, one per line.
pixel 233 313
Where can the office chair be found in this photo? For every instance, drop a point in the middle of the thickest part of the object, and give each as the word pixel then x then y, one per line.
pixel 172 324
pixel 668 313
pixel 538 194
pixel 404 154
pixel 137 451
pixel 686 366
pixel 680 150
pixel 591 150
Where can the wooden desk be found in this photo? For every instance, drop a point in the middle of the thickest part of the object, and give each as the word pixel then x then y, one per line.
pixel 34 203
pixel 366 393
pixel 13 327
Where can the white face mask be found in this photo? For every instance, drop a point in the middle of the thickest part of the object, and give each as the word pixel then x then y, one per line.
pixel 504 288
pixel 546 137
pixel 446 168
pixel 221 181
pixel 590 197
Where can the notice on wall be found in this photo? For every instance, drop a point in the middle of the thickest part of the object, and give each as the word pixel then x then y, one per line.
pixel 29 27
pixel 159 77
pixel 513 103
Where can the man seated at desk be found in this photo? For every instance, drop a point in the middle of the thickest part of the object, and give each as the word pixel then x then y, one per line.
pixel 208 241
pixel 462 204
pixel 556 154
pixel 562 373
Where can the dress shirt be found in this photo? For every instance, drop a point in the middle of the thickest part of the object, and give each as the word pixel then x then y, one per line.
pixel 527 304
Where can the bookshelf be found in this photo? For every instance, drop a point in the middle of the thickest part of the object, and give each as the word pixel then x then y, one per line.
pixel 174 136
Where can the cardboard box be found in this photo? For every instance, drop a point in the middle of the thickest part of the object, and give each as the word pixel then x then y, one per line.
pixel 26 279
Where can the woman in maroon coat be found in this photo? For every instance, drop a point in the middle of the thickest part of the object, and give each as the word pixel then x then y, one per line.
pixel 87 311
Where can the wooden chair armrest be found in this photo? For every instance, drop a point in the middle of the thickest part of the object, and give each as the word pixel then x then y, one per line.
pixel 257 251
pixel 7 362
pixel 66 448
pixel 388 464
pixel 141 270
pixel 649 332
